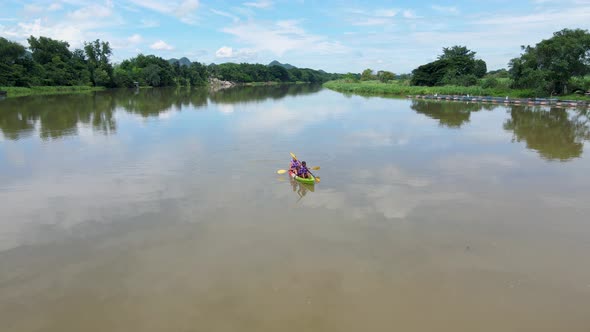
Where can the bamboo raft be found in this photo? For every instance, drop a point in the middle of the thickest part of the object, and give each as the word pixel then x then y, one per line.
pixel 505 100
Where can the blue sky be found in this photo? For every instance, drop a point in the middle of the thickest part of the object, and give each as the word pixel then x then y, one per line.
pixel 337 36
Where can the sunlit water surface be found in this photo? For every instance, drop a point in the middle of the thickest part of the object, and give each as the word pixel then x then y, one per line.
pixel 161 210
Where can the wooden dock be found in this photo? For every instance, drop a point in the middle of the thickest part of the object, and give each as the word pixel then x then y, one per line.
pixel 506 100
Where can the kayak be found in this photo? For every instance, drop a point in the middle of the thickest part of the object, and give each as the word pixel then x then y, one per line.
pixel 310 180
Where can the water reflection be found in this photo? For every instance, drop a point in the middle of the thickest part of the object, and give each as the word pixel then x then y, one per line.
pixel 557 134
pixel 152 102
pixel 301 189
pixel 448 114
pixel 60 115
pixel 261 93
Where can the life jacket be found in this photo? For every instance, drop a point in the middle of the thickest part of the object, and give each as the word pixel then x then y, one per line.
pixel 302 171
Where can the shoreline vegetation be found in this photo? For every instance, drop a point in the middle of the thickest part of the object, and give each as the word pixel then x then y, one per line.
pixel 555 68
pixel 49 66
pixel 403 89
pixel 19 91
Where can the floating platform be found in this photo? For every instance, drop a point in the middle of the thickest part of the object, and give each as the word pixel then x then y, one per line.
pixel 506 100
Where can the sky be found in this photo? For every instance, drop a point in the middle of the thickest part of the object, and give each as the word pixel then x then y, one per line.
pixel 333 35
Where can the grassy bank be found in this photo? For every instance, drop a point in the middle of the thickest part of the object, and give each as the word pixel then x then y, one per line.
pixel 270 83
pixel 46 90
pixel 398 88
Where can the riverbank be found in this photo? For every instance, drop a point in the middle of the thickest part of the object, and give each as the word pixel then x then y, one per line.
pixel 14 91
pixel 552 102
pixel 397 88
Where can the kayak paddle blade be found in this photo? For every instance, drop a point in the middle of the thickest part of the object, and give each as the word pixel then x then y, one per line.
pixel 281 171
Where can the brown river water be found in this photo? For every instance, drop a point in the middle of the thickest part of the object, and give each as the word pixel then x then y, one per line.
pixel 161 210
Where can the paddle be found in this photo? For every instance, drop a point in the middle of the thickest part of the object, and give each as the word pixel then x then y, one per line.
pixel 317 178
pixel 283 171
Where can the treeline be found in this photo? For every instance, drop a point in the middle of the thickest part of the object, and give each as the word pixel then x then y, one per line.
pixel 49 62
pixel 555 66
pixel 247 73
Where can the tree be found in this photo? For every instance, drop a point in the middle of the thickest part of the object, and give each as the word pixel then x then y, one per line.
pixel 45 49
pixel 385 76
pixel 457 52
pixel 457 65
pixel 551 63
pixel 98 53
pixel 10 70
pixel 367 75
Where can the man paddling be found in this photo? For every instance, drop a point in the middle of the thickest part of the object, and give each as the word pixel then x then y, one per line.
pixel 303 172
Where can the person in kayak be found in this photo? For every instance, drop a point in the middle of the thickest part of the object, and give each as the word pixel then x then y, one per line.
pixel 295 165
pixel 303 172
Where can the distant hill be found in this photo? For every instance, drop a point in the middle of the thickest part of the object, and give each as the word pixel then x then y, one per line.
pixel 284 65
pixel 182 61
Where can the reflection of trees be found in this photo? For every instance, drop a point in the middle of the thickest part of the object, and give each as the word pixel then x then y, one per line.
pixel 59 115
pixel 554 134
pixel 151 102
pixel 449 114
pixel 259 93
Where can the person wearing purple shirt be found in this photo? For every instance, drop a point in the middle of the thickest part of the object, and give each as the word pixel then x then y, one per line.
pixel 295 165
pixel 303 172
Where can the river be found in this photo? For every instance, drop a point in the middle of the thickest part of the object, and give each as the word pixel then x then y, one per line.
pixel 161 210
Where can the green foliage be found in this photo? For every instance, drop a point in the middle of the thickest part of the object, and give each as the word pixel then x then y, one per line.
pixel 550 64
pixel 351 78
pixel 101 71
pixel 248 73
pixel 367 75
pixel 456 66
pixel 579 84
pixel 52 63
pixel 500 73
pixel 399 88
pixel 385 76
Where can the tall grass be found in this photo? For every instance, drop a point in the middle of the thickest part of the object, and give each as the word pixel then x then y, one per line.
pixel 400 89
pixel 14 91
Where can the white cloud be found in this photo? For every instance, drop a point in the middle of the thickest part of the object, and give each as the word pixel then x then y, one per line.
pixel 372 21
pixel 87 21
pixel 135 39
pixel 228 52
pixel 262 4
pixel 281 37
pixel 225 14
pixel 224 52
pixel 32 9
pixel 373 17
pixel 183 10
pixel 445 10
pixel 410 14
pixel 386 12
pixel 161 45
pixel 92 11
pixel 54 6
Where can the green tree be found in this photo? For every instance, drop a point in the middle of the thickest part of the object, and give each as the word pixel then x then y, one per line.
pixel 367 75
pixel 10 71
pixel 385 76
pixel 551 63
pixel 457 65
pixel 101 71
